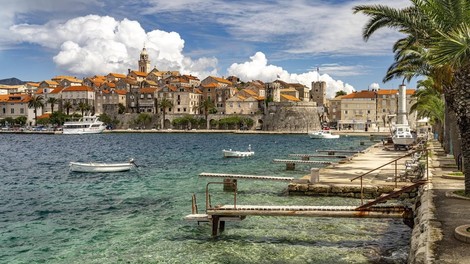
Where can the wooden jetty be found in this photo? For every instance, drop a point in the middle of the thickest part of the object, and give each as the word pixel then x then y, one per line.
pixel 290 164
pixel 334 151
pixel 308 156
pixel 218 215
pixel 243 176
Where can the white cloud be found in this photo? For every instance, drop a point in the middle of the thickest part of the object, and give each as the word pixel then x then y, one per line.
pixel 100 44
pixel 258 69
pixel 374 86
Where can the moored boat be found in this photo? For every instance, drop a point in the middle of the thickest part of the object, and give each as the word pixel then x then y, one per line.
pixel 238 154
pixel 86 125
pixel 101 167
pixel 402 137
pixel 322 134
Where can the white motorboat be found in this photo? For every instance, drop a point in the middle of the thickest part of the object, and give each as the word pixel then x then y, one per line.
pixel 322 134
pixel 238 154
pixel 86 125
pixel 402 137
pixel 101 167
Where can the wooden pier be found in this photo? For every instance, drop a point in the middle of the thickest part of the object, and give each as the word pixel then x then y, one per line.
pixel 290 164
pixel 218 215
pixel 308 156
pixel 243 176
pixel 334 151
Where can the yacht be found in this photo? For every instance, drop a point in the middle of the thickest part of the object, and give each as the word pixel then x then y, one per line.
pixel 86 125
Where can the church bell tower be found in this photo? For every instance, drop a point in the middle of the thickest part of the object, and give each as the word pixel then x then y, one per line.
pixel 144 62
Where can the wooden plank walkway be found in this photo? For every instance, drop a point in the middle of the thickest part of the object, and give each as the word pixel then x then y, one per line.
pixel 242 176
pixel 217 216
pixel 290 164
pixel 318 156
pixel 339 151
pixel 302 161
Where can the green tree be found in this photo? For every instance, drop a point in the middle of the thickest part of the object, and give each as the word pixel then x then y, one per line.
pixel 206 106
pixel 52 101
pixel 121 109
pixel 36 101
pixel 164 105
pixel 339 93
pixel 58 118
pixel 21 120
pixel 67 106
pixel 83 107
pixel 143 119
pixel 436 39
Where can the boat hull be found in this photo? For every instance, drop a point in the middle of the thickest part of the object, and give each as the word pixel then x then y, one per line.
pixel 99 167
pixel 82 131
pixel 237 154
pixel 322 134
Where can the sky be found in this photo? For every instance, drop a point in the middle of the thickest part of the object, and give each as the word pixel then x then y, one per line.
pixel 297 41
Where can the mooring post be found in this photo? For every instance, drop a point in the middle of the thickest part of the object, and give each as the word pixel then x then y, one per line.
pixel 290 166
pixel 229 184
pixel 215 225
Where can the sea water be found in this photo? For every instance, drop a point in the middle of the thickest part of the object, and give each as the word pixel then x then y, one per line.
pixel 51 215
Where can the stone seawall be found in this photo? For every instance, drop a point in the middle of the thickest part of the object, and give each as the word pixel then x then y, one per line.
pixel 306 188
pixel 426 230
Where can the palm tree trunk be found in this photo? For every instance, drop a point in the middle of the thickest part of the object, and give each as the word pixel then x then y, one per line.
pixel 459 97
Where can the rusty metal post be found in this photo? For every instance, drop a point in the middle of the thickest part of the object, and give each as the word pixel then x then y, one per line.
pixel 362 193
pixel 396 175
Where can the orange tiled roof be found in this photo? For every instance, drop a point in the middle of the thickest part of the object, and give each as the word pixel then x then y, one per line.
pixel 394 91
pixel 290 97
pixel 210 85
pixel 222 80
pixel 139 73
pixel 360 94
pixel 121 92
pixel 33 84
pixel 148 90
pixel 56 90
pixel 117 75
pixel 15 98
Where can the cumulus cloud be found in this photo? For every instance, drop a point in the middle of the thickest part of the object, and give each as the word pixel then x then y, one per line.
pixel 258 69
pixel 374 86
pixel 94 44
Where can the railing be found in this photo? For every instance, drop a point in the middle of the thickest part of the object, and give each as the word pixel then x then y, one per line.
pixel 396 170
pixel 208 197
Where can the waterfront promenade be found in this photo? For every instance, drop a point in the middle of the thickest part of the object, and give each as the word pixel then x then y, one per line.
pixel 443 212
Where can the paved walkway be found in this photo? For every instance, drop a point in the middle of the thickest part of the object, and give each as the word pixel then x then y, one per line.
pixel 450 212
pixel 374 157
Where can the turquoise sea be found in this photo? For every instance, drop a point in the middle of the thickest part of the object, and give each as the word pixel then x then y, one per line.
pixel 50 215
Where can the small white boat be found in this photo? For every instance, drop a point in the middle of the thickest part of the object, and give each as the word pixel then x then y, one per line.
pixel 322 134
pixel 86 125
pixel 402 137
pixel 238 154
pixel 101 167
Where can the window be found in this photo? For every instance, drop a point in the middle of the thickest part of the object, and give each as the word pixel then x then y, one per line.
pixel 149 96
pixel 12 110
pixel 368 111
pixel 141 96
pixel 345 112
pixel 184 109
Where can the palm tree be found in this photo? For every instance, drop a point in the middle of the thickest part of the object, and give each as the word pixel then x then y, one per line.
pixel 36 102
pixel 164 104
pixel 206 106
pixel 52 101
pixel 439 33
pixel 68 105
pixel 83 107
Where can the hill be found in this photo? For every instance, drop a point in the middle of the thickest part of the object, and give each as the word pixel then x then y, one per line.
pixel 12 81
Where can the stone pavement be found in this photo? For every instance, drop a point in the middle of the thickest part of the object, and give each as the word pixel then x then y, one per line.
pixel 373 157
pixel 450 213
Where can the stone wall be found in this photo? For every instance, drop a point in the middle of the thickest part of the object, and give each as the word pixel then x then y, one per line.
pixel 306 188
pixel 294 117
pixel 426 228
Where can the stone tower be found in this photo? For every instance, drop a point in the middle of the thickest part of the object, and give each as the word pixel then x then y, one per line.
pixel 144 62
pixel 318 93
